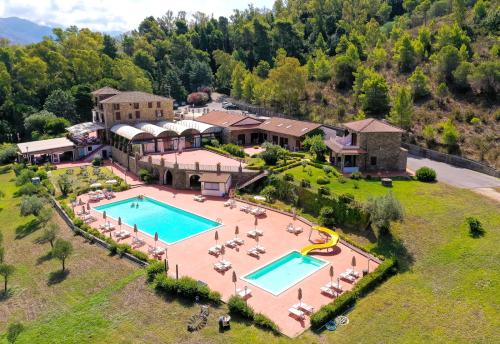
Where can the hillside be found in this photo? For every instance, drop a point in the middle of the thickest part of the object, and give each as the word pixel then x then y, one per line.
pixel 22 31
pixel 430 66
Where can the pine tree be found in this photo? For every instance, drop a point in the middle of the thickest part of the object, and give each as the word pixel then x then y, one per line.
pixel 402 108
pixel 419 84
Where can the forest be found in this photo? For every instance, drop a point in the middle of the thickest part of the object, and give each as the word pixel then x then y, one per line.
pixel 429 66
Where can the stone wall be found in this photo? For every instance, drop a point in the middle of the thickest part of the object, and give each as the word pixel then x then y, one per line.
pixel 386 147
pixel 452 160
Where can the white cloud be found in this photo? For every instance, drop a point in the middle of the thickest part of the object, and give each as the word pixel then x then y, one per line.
pixel 119 15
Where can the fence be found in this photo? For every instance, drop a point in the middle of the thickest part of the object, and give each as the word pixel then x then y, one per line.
pixel 451 159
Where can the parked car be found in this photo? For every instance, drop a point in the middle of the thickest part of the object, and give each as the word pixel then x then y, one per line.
pixel 230 106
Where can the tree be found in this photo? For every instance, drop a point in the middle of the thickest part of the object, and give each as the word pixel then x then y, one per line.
pixel 322 68
pixel 374 95
pixel 62 250
pixel 450 134
pixel 269 192
pixel 31 205
pixel 442 91
pixel 419 83
pixel 237 78
pixel 83 102
pixel 65 184
pixel 271 154
pixel 225 65
pixel 61 103
pixel 316 146
pixel 248 85
pixel 6 271
pixel 485 79
pixel 50 234
pixel 446 61
pixel 288 81
pixel 45 215
pixel 383 210
pixel 129 76
pixel 429 134
pixel 109 46
pixel 402 109
pixel 459 11
pixel 460 75
pixel 405 54
pixel 479 10
pixel 262 69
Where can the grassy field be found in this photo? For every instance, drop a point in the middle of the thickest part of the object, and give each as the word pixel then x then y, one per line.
pixel 447 291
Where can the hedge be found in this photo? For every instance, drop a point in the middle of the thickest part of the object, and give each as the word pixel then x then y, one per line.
pixel 349 298
pixel 286 167
pixel 238 306
pixel 186 287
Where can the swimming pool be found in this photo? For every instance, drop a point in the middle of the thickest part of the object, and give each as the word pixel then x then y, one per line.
pixel 283 273
pixel 171 223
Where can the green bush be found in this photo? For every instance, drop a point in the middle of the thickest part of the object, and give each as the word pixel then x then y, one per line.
pixel 186 287
pixel 326 216
pixel 265 323
pixel 356 176
pixel 323 191
pixel 234 150
pixel 323 180
pixel 341 179
pixel 28 190
pixel 145 176
pixel 24 177
pixel 305 183
pixel 288 177
pixel 238 306
pixel 426 174
pixel 349 298
pixel 13 331
pixel 97 161
pixel 8 153
pixel 154 269
pixel 475 227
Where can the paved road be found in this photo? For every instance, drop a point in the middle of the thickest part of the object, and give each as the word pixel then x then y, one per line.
pixel 456 176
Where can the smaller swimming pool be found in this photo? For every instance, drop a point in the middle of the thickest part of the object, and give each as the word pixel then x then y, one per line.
pixel 283 273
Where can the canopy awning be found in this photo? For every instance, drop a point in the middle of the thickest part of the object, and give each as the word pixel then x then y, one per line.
pixel 84 128
pixel 203 128
pixel 156 131
pixel 131 133
pixel 178 128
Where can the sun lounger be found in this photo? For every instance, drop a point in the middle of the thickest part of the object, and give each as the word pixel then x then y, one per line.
pixel 89 219
pixel 215 250
pixel 328 291
pixel 137 241
pixel 227 263
pixel 122 234
pixel 347 277
pixel 199 198
pixel 294 229
pixel 260 249
pixel 231 243
pixel 304 307
pixel 223 265
pixel 156 251
pixel 255 232
pixel 244 292
pixel 258 211
pixel 296 312
pixel 245 208
pixel 353 272
pixel 253 252
pixel 335 286
pixel 239 241
pixel 229 203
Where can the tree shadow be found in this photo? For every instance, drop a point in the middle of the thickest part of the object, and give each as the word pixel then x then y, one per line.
pixel 56 277
pixel 23 231
pixel 45 258
pixel 5 295
pixel 390 246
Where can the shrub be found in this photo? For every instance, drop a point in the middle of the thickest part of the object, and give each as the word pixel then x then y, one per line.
pixel 271 154
pixel 186 287
pixel 8 153
pixel 288 177
pixel 154 269
pixel 327 169
pixel 97 161
pixel 265 323
pixel 475 227
pixel 269 192
pixel 238 306
pixel 28 190
pixel 65 184
pixel 341 179
pixel 234 150
pixel 322 180
pixel 326 216
pixel 475 121
pixel 214 142
pixel 305 183
pixel 426 174
pixel 198 98
pixel 323 191
pixel 24 177
pixel 31 205
pixel 145 176
pixel 356 176
pixel 383 210
pixel 349 298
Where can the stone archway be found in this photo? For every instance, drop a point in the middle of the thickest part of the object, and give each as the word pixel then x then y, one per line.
pixel 194 182
pixel 168 178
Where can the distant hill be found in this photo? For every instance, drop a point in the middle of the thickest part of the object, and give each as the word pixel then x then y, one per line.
pixel 22 31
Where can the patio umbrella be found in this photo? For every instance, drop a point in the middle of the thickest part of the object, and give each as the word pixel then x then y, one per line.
pixel 216 237
pixel 300 296
pixel 353 262
pixel 257 239
pixel 338 282
pixel 88 206
pixel 135 230
pixel 156 238
pixel 120 222
pixel 234 281
pixel 222 251
pixel 331 275
pixel 104 216
pixel 294 212
pixel 83 209
pixel 236 231
pixel 255 222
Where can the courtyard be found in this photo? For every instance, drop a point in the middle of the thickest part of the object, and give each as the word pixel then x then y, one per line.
pixel 190 157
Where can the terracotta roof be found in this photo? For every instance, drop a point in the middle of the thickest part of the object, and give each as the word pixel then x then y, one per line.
pixel 345 150
pixel 290 127
pixel 215 177
pixel 222 118
pixel 372 125
pixel 105 90
pixel 134 97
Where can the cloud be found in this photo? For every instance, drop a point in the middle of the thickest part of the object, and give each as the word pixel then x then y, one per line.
pixel 120 15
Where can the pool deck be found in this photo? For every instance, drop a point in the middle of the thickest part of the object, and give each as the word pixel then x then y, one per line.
pixel 192 257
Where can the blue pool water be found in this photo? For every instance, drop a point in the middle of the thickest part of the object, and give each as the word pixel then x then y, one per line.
pixel 278 276
pixel 171 223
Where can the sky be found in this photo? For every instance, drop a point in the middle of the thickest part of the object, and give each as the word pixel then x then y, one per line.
pixel 114 15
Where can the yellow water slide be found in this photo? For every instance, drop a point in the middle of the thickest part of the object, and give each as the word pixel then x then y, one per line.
pixel 334 239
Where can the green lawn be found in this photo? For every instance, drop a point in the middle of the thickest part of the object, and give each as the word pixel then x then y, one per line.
pixel 447 291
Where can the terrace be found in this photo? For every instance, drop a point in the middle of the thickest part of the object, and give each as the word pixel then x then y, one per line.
pixel 192 257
